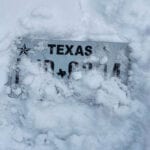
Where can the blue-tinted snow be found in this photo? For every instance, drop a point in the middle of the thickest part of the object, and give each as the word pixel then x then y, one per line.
pixel 90 112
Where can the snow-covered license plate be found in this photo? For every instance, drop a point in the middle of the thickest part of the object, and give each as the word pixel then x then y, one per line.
pixel 62 57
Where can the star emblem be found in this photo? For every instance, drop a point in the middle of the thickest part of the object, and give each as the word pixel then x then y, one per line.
pixel 24 50
pixel 61 73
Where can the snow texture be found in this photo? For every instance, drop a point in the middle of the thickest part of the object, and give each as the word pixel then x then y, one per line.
pixel 88 112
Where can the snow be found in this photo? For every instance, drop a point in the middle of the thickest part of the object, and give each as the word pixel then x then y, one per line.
pixel 88 112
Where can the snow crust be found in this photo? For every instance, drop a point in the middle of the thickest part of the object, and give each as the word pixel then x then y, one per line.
pixel 89 112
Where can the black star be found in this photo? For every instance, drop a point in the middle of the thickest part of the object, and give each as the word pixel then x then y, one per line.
pixel 24 50
pixel 61 73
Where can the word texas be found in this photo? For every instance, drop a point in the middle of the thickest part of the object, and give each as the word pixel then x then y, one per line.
pixel 77 50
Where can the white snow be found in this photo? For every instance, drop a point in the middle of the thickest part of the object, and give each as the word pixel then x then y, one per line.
pixel 88 112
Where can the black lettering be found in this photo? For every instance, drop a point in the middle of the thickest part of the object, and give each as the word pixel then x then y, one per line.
pixel 61 73
pixel 69 50
pixel 46 62
pixel 52 65
pixel 51 46
pixel 88 66
pixel 88 50
pixel 71 66
pixel 105 70
pixel 17 76
pixel 60 49
pixel 79 51
pixel 116 69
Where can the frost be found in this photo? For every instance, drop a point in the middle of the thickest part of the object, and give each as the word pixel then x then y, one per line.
pixel 103 60
pixel 77 75
pixel 93 80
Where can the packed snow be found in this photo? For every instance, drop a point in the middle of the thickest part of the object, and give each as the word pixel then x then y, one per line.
pixel 88 111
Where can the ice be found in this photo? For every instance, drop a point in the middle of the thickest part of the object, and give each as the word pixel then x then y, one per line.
pixel 77 75
pixel 93 80
pixel 103 60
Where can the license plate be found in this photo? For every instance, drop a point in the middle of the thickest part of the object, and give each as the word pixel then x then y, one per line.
pixel 62 57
